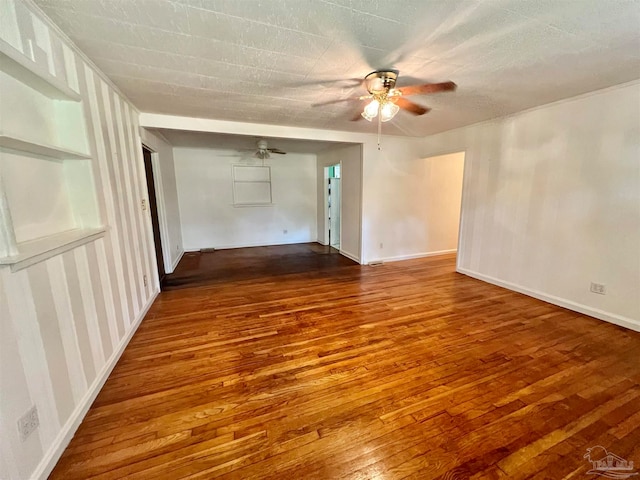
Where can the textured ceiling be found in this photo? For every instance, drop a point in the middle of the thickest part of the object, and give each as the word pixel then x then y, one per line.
pixel 270 61
pixel 182 138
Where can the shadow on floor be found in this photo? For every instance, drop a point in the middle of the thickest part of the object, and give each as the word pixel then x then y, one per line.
pixel 197 269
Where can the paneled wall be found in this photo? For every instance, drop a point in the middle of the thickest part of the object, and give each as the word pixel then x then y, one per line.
pixel 65 321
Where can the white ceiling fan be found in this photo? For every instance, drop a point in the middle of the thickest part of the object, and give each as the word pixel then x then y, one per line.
pixel 263 152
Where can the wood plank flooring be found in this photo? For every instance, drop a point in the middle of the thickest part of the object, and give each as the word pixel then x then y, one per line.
pixel 407 370
pixel 197 268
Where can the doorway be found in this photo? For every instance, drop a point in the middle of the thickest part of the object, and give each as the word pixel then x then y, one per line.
pixel 153 209
pixel 333 205
pixel 443 201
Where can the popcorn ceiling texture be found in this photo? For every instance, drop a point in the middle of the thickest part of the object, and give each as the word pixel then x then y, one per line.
pixel 270 61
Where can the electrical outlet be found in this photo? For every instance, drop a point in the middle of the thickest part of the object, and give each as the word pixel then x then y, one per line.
pixel 28 423
pixel 285 231
pixel 144 280
pixel 598 288
pixel 381 245
pixel 144 204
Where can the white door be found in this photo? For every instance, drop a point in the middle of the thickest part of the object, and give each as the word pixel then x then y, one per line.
pixel 334 212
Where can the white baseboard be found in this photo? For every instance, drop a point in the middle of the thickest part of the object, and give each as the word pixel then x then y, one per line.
pixel 248 245
pixel 350 256
pixel 53 454
pixel 561 302
pixel 413 255
pixel 175 263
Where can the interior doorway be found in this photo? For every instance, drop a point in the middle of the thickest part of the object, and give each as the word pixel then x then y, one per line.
pixel 153 209
pixel 334 205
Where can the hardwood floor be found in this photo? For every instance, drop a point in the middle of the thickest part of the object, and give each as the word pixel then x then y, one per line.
pixel 407 370
pixel 197 268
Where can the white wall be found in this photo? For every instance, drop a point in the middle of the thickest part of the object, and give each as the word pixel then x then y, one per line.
pixel 393 213
pixel 443 198
pixel 412 203
pixel 65 321
pixel 166 196
pixel 209 218
pixel 351 203
pixel 552 201
pixel 350 158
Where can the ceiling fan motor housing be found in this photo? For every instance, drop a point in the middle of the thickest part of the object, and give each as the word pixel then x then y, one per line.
pixel 381 81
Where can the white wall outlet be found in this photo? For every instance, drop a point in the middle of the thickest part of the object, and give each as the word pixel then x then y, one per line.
pixel 598 288
pixel 381 245
pixel 144 204
pixel 28 423
pixel 144 280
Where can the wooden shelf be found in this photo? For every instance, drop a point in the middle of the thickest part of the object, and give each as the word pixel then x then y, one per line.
pixel 40 249
pixel 14 63
pixel 52 151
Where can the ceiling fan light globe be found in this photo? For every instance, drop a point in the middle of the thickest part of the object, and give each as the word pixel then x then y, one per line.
pixel 371 110
pixel 388 111
pixel 368 118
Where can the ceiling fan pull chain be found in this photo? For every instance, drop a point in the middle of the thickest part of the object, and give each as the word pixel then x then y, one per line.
pixel 379 129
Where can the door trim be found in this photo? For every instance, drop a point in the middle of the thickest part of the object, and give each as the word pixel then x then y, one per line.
pixel 162 272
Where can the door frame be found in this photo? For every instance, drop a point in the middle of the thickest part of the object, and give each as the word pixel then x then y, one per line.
pixel 159 211
pixel 336 191
pixel 327 235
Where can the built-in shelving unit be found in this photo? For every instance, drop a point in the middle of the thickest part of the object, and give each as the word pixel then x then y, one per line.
pixel 14 63
pixel 28 146
pixel 40 249
pixel 46 207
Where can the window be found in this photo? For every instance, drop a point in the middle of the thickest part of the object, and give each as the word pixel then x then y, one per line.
pixel 251 185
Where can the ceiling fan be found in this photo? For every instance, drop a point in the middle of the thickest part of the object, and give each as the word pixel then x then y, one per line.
pixel 263 152
pixel 387 100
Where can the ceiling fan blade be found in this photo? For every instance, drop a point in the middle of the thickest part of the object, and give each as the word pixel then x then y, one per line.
pixel 331 83
pixel 277 151
pixel 331 102
pixel 427 88
pixel 409 106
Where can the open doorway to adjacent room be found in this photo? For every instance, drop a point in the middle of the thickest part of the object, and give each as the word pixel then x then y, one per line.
pixel 443 189
pixel 253 207
pixel 333 191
